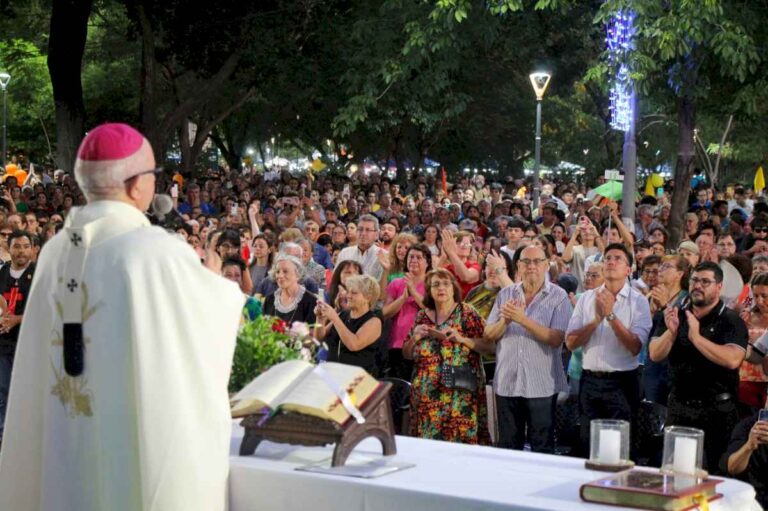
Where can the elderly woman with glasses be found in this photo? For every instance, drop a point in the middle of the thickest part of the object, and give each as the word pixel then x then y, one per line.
pixel 593 279
pixel 671 291
pixel 448 389
pixel 291 301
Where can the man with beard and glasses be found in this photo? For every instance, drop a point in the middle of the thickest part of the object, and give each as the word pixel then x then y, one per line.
pixel 705 343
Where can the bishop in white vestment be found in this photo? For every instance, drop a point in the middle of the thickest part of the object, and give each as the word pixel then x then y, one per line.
pixel 119 397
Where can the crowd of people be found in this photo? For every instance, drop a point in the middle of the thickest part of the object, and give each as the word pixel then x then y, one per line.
pixel 452 287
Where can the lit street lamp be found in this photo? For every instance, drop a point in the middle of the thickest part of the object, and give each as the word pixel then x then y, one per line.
pixel 4 79
pixel 540 81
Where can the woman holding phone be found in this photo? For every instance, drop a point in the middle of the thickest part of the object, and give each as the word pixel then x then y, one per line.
pixel 352 335
pixel 584 243
pixel 448 388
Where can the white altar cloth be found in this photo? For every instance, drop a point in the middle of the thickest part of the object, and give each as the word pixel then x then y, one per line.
pixel 446 477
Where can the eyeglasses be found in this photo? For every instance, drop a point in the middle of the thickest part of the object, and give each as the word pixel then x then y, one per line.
pixel 704 283
pixel 365 229
pixel 439 283
pixel 465 245
pixel 157 170
pixel 416 257
pixel 592 275
pixel 650 272
pixel 529 262
pixel 665 267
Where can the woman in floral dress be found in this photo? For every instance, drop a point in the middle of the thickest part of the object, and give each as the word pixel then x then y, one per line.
pixel 441 411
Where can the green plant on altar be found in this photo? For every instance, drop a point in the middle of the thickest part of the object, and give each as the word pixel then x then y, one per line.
pixel 267 341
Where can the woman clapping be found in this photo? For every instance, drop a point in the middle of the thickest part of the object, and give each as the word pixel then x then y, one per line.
pixel 405 296
pixel 448 388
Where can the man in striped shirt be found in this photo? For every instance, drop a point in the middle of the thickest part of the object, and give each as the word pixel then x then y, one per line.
pixel 528 321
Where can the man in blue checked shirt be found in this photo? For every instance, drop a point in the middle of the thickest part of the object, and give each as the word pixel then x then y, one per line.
pixel 528 323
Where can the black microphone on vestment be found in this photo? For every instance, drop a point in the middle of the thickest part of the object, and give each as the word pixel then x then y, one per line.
pixel 161 205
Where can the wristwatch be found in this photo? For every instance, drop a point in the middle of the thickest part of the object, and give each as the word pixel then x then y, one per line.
pixel 611 316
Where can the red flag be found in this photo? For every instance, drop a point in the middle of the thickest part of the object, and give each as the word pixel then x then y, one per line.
pixel 444 181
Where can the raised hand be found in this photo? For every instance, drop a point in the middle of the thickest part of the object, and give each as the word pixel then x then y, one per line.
pixel 383 257
pixel 449 241
pixel 493 260
pixel 672 319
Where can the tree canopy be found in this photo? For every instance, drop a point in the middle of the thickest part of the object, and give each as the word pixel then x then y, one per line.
pixel 389 80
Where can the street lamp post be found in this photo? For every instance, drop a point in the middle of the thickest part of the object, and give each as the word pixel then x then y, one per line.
pixel 540 81
pixel 4 79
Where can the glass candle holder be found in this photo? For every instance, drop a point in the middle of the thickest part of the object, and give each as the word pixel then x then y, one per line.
pixel 608 442
pixel 683 450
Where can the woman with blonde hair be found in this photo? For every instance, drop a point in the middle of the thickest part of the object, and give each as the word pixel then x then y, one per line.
pixel 393 262
pixel 351 335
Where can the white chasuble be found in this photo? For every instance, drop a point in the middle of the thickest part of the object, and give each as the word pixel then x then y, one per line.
pixel 146 425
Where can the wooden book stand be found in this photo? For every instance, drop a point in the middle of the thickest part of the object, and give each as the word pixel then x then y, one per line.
pixel 300 429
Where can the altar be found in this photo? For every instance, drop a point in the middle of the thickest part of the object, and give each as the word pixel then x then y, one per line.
pixel 446 477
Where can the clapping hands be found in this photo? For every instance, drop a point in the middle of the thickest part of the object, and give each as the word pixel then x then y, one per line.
pixel 604 302
pixel 513 310
pixel 449 241
pixel 672 319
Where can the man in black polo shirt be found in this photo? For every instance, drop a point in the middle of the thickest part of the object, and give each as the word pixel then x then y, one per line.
pixel 705 343
pixel 15 282
pixel 747 456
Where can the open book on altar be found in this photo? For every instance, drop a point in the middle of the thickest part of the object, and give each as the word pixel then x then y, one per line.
pixel 299 386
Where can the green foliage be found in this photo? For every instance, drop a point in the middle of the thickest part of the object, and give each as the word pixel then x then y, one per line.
pixel 30 98
pixel 261 344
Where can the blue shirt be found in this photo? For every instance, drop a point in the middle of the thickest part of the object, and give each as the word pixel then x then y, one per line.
pixel 321 256
pixel 206 208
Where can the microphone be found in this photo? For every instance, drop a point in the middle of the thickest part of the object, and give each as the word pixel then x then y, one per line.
pixel 161 205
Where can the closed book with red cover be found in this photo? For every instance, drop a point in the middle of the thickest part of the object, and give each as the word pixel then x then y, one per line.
pixel 644 489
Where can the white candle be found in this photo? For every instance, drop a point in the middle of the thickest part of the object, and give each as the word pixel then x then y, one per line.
pixel 684 460
pixel 609 451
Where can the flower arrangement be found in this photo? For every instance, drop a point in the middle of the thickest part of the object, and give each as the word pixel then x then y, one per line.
pixel 267 341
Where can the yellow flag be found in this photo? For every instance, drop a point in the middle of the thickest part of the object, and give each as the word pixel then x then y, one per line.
pixel 759 180
pixel 317 165
pixel 649 189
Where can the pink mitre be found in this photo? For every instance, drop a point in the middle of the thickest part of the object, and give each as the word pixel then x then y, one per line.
pixel 108 147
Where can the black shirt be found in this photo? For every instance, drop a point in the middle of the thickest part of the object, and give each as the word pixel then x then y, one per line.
pixel 691 374
pixel 338 352
pixel 16 294
pixel 756 473
pixel 303 312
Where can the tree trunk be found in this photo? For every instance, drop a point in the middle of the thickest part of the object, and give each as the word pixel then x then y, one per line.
pixel 66 45
pixel 226 146
pixel 686 121
pixel 148 85
pixel 187 159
